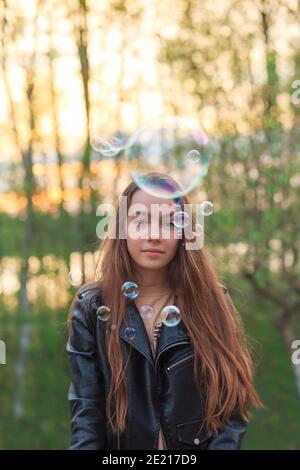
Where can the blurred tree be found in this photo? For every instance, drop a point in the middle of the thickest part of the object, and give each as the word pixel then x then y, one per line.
pixel 125 16
pixel 26 152
pixel 54 106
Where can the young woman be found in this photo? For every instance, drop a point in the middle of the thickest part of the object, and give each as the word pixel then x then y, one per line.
pixel 138 382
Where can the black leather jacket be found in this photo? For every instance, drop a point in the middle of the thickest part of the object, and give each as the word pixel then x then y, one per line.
pixel 160 390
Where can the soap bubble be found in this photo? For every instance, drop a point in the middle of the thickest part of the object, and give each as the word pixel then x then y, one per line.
pixel 130 290
pixel 181 219
pixel 111 125
pixel 206 208
pixel 146 311
pixel 194 156
pixel 108 147
pixel 170 315
pixel 103 313
pixel 130 333
pixel 176 146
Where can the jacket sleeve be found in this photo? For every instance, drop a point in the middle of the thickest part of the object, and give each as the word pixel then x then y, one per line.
pixel 86 392
pixel 232 435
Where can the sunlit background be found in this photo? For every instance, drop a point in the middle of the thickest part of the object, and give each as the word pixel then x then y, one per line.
pixel 229 64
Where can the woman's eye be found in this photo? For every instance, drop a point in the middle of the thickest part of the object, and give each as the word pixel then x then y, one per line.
pixel 145 222
pixel 140 222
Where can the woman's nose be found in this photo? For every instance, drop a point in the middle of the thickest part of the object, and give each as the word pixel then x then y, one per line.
pixel 155 231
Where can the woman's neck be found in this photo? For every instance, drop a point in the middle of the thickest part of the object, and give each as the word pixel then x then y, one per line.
pixel 152 280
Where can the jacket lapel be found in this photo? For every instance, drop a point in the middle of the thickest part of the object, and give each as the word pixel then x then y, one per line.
pixel 140 340
pixel 168 336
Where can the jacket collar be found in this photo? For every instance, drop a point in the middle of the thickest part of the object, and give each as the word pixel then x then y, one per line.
pixel 168 335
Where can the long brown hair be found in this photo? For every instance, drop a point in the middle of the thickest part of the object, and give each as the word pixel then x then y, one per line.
pixel 223 366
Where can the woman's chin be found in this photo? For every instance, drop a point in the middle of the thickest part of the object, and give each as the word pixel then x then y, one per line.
pixel 151 263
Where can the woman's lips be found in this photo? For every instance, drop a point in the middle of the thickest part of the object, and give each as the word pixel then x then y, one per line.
pixel 153 252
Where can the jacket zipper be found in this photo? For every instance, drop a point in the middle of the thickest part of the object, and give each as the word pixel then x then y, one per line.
pixel 161 423
pixel 168 347
pixel 179 362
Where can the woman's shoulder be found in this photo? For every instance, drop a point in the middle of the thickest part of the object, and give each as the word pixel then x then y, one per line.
pixel 86 302
pixel 90 290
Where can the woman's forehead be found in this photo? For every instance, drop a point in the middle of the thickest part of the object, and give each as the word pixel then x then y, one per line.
pixel 141 197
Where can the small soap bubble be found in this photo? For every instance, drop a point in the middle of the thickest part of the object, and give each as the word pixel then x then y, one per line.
pixel 103 313
pixel 130 289
pixel 194 156
pixel 181 219
pixel 130 333
pixel 146 311
pixel 170 315
pixel 206 208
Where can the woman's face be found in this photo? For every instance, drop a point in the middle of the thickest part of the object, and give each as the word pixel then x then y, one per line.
pixel 150 227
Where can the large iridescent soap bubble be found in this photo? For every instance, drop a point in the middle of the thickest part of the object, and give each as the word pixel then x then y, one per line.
pixel 177 146
pixel 111 124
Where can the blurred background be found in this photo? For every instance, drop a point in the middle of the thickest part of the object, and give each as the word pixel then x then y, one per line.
pixel 233 64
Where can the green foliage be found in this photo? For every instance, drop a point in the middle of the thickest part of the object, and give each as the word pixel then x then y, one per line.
pixel 45 423
pixel 278 426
